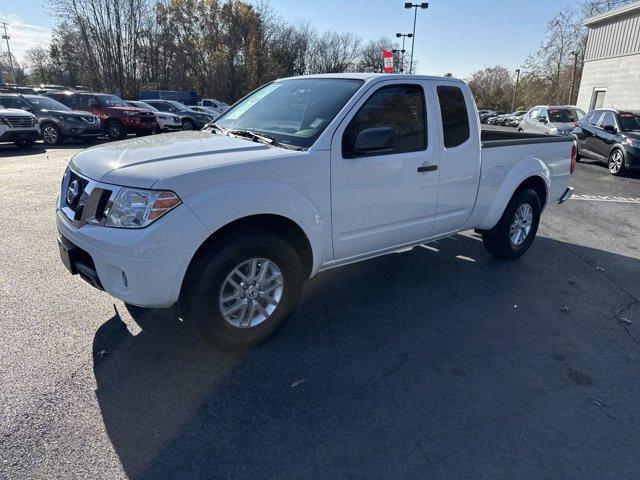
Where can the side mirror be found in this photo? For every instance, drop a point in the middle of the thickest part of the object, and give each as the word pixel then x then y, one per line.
pixel 542 119
pixel 374 140
pixel 609 128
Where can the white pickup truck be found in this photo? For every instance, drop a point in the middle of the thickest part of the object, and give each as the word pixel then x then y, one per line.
pixel 302 175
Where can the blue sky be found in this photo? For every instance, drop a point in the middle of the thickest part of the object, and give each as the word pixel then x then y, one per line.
pixel 458 36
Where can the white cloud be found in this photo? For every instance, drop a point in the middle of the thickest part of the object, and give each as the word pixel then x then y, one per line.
pixel 23 36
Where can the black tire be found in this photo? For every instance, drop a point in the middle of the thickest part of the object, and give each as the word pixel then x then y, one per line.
pixel 115 130
pixel 520 130
pixel 188 124
pixel 498 240
pixel 24 143
pixel 51 134
pixel 204 283
pixel 616 163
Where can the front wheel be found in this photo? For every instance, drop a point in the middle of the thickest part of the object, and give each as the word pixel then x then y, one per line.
pixel 242 289
pixel 188 124
pixel 51 134
pixel 514 233
pixel 616 163
pixel 115 130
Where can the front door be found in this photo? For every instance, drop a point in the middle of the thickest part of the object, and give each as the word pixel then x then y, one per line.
pixel 387 197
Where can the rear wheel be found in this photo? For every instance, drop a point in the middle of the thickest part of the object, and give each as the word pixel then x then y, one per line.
pixel 516 230
pixel 242 289
pixel 616 162
pixel 51 134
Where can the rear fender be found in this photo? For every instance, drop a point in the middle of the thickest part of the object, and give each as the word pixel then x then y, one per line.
pixel 527 168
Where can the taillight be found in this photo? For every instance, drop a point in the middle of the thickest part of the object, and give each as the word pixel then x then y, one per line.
pixel 574 158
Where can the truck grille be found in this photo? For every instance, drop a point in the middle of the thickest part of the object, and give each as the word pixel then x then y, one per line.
pixel 20 121
pixel 147 117
pixel 82 201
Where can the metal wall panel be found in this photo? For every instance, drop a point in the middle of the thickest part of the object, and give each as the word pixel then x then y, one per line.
pixel 614 38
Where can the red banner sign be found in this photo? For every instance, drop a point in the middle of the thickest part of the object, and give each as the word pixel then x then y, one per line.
pixel 387 56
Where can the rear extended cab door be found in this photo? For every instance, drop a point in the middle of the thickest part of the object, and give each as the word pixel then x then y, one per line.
pixel 386 199
pixel 460 156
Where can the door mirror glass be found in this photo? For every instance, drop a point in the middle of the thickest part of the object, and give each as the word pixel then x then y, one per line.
pixel 609 128
pixel 375 140
pixel 542 119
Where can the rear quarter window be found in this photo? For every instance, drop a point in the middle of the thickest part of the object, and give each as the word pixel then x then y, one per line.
pixel 455 119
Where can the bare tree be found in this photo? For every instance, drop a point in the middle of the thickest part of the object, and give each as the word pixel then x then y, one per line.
pixel 492 87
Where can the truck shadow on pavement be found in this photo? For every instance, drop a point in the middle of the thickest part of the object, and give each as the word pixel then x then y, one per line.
pixel 439 362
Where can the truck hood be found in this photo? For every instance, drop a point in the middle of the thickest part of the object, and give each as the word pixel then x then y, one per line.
pixel 143 161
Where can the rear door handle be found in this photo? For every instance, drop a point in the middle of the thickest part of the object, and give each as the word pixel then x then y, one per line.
pixel 426 167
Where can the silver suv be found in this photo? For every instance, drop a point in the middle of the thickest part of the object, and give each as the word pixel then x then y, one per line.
pixel 552 120
pixel 19 127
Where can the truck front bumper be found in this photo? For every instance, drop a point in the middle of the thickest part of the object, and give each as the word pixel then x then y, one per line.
pixel 143 267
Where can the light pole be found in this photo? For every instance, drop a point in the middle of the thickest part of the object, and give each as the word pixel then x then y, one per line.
pixel 515 90
pixel 6 37
pixel 573 76
pixel 404 37
pixel 398 54
pixel 415 6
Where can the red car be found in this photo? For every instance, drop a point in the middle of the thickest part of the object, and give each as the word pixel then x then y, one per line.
pixel 116 116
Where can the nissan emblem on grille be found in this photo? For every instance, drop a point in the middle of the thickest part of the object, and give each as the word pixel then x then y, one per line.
pixel 72 192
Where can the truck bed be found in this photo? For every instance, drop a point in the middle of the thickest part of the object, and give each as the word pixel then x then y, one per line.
pixel 490 138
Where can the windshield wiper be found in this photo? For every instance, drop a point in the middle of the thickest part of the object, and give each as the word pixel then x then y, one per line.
pixel 215 126
pixel 262 138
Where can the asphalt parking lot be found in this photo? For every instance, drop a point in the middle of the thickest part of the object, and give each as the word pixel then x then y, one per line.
pixel 436 363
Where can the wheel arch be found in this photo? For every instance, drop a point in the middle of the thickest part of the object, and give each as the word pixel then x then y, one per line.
pixel 280 225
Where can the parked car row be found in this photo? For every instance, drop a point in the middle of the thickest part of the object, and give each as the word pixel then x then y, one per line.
pixel 65 114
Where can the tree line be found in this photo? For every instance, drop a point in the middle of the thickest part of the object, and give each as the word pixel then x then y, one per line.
pixel 547 75
pixel 222 49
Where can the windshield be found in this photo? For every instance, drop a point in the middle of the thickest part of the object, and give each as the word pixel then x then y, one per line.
pixel 293 112
pixel 629 122
pixel 144 105
pixel 565 115
pixel 111 101
pixel 178 105
pixel 45 103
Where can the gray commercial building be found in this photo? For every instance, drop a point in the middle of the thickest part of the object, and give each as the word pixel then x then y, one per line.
pixel 611 75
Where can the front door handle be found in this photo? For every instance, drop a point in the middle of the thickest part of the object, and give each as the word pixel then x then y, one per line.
pixel 426 167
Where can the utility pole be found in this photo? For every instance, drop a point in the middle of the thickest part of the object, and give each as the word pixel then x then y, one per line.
pixel 415 6
pixel 404 37
pixel 573 76
pixel 6 37
pixel 515 90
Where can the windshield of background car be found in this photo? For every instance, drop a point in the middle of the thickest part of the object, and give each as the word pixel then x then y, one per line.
pixel 565 115
pixel 145 105
pixel 294 112
pixel 629 122
pixel 111 101
pixel 45 103
pixel 178 105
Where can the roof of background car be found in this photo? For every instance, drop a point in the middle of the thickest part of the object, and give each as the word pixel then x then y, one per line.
pixel 367 77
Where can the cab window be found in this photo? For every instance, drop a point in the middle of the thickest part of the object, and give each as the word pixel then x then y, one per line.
pixel 455 119
pixel 400 108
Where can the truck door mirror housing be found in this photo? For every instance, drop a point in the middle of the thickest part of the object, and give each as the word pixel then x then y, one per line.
pixel 374 140
pixel 609 128
pixel 542 119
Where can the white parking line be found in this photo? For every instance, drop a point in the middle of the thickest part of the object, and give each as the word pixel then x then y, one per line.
pixel 606 198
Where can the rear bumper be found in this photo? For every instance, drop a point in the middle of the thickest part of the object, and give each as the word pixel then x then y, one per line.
pixel 568 193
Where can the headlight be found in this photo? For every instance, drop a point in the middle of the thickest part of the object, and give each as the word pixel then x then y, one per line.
pixel 162 117
pixel 130 113
pixel 69 119
pixel 133 208
pixel 632 142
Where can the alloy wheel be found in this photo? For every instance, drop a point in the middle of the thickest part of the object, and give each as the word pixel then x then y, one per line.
pixel 521 224
pixel 615 162
pixel 50 134
pixel 251 292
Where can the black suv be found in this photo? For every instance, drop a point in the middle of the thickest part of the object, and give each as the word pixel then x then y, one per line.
pixel 612 136
pixel 57 121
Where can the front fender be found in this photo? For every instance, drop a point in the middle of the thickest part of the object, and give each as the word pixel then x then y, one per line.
pixel 232 201
pixel 527 168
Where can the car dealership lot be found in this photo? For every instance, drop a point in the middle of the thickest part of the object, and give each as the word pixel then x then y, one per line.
pixel 440 362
